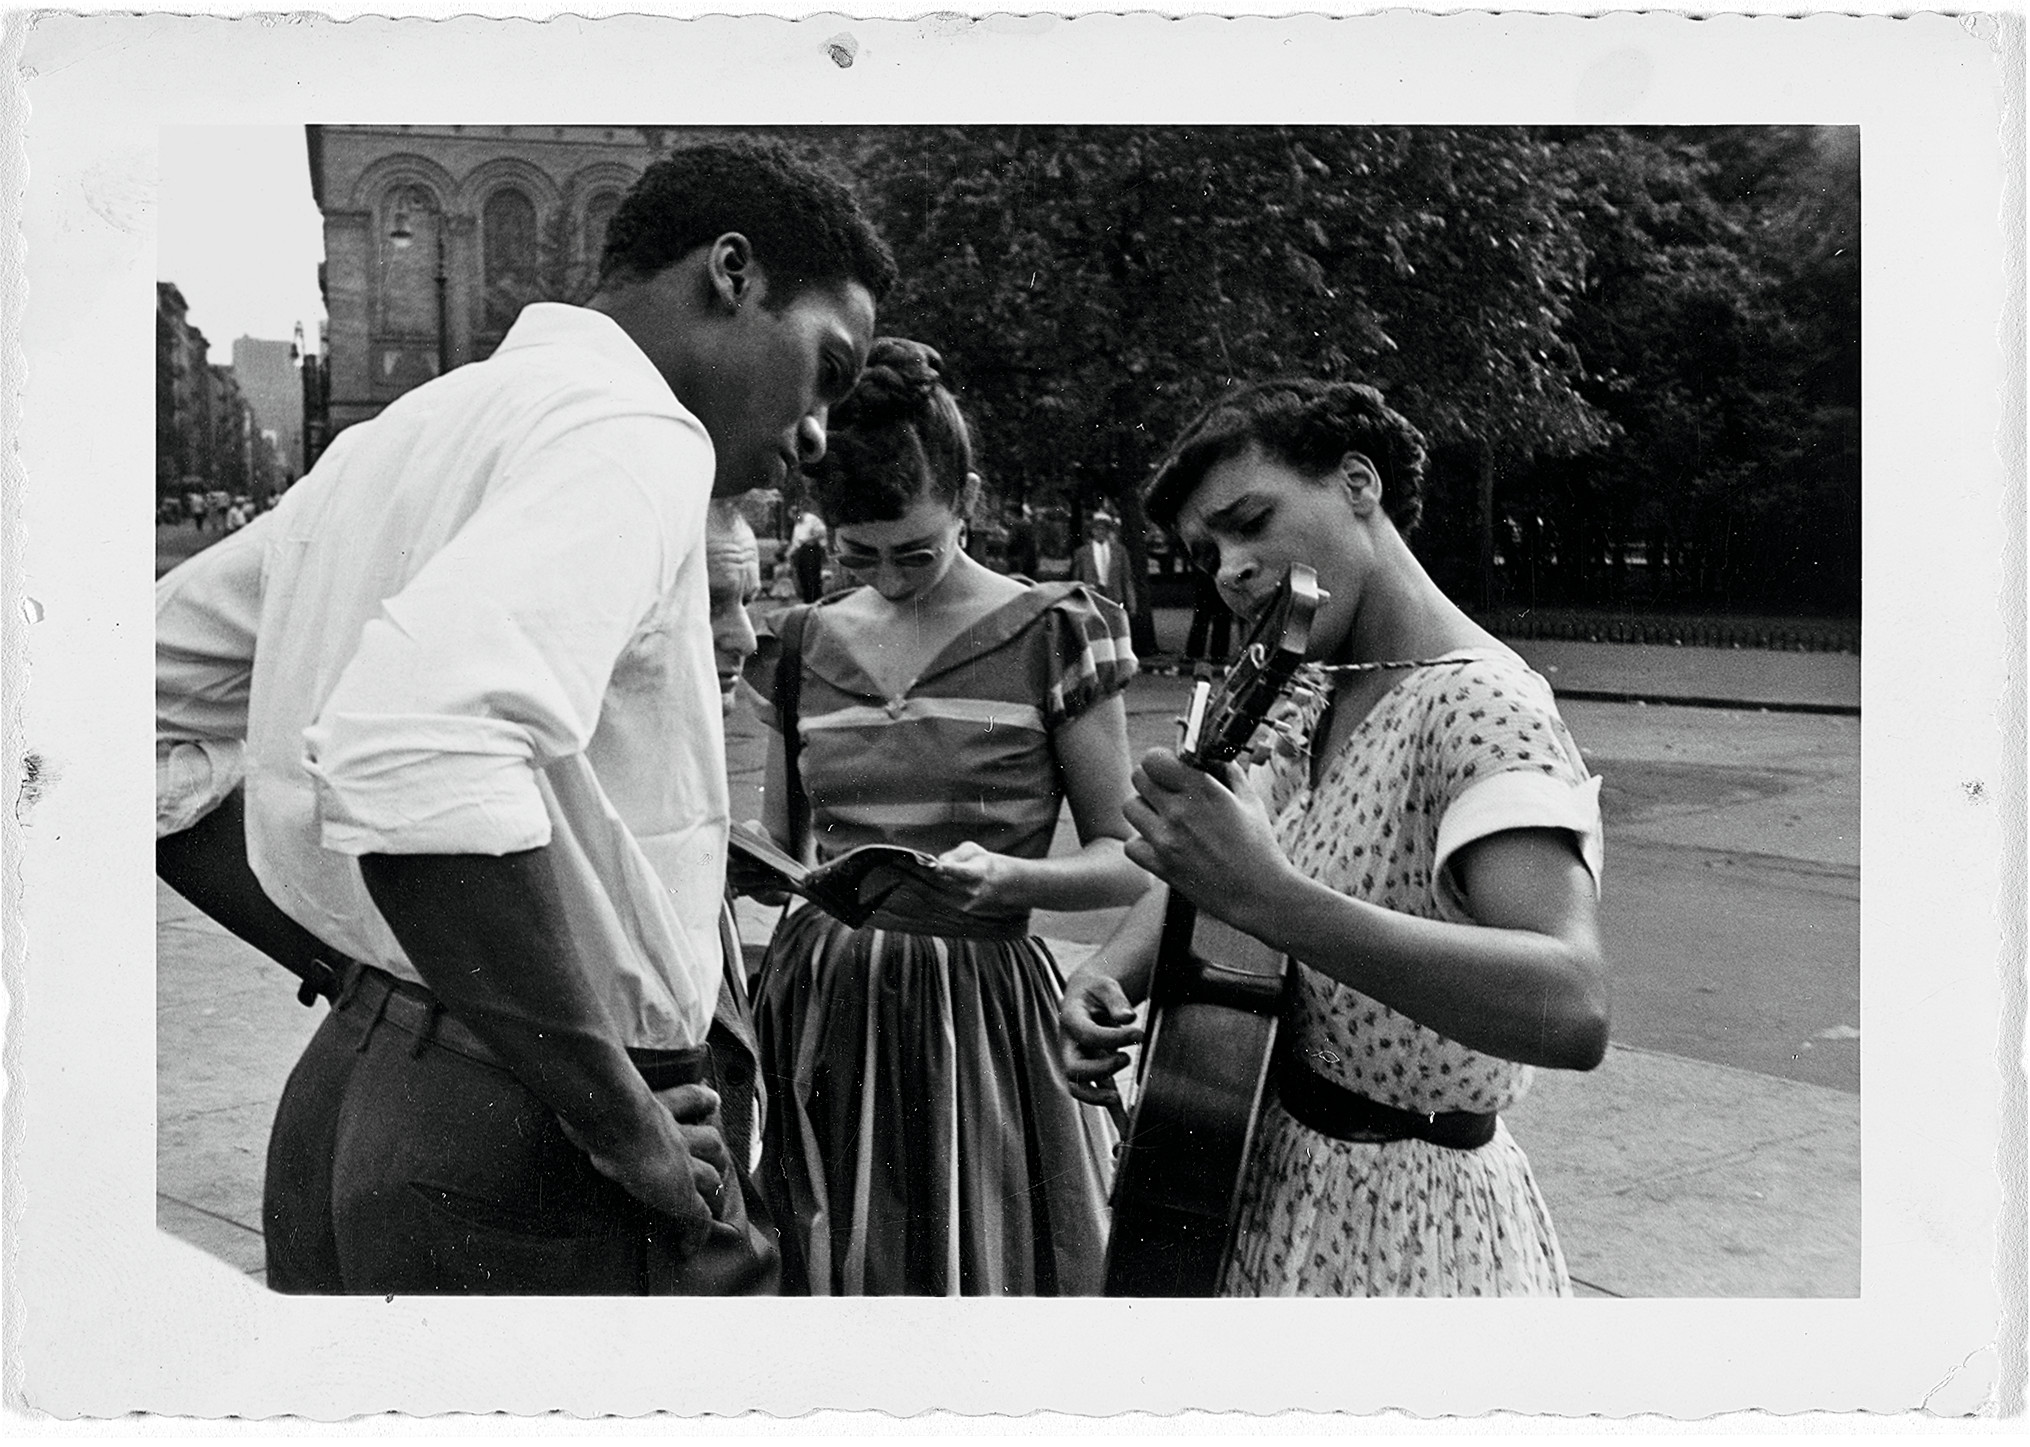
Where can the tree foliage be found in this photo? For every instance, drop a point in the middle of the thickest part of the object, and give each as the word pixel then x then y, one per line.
pixel 1095 285
pixel 1720 323
pixel 1652 335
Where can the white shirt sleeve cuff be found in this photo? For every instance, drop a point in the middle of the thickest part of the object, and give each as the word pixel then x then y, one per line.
pixel 427 784
pixel 1520 799
pixel 192 778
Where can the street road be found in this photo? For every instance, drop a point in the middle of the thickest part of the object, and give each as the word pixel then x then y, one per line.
pixel 1731 906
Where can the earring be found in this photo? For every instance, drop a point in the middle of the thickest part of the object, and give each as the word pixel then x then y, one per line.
pixel 965 535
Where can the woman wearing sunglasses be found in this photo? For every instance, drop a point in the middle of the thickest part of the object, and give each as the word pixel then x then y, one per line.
pixel 921 1138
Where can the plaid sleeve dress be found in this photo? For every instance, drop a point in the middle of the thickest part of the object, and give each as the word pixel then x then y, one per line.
pixel 920 1138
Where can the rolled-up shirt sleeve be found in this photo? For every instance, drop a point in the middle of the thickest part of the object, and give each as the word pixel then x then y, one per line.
pixel 207 611
pixel 492 662
pixel 192 778
pixel 206 614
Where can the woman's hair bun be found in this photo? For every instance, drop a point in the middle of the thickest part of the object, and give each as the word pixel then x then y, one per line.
pixel 897 437
pixel 898 384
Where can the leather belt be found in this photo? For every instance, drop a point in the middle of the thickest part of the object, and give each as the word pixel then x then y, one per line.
pixel 1332 1110
pixel 414 1010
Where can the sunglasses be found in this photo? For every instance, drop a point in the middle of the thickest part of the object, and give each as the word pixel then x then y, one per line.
pixel 909 560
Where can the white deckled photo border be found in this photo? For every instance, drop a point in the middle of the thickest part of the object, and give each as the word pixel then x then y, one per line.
pixel 106 1315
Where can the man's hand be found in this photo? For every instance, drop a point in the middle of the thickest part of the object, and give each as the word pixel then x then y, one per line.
pixel 695 1108
pixel 1206 835
pixel 487 934
pixel 661 1169
pixel 1096 1024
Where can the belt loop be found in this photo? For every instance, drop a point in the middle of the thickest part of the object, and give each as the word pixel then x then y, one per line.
pixel 355 972
pixel 428 1029
pixel 319 979
pixel 367 1035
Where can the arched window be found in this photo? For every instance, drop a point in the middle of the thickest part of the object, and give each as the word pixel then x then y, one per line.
pixel 598 212
pixel 410 225
pixel 509 249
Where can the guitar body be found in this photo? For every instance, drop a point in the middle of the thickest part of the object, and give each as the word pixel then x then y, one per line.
pixel 1214 1001
pixel 1205 1064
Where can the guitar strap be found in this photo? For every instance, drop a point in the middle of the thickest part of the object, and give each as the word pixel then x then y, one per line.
pixel 787 685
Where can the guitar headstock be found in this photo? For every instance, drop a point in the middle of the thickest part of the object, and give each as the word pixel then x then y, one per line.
pixel 1269 660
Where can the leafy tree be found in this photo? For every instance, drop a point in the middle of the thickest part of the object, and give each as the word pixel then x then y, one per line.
pixel 1093 286
pixel 1718 325
pixel 1621 342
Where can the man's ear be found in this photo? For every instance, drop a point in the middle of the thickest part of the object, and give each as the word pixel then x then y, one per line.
pixel 1363 480
pixel 730 273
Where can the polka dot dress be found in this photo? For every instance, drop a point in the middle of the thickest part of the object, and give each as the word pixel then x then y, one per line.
pixel 1321 1217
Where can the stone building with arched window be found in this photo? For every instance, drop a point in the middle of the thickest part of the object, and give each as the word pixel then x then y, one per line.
pixel 435 237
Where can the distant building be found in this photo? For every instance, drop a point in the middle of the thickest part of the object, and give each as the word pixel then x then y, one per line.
pixel 206 436
pixel 435 237
pixel 316 399
pixel 181 375
pixel 269 379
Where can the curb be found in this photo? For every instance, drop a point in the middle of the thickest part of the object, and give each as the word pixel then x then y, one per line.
pixel 1687 700
pixel 1177 668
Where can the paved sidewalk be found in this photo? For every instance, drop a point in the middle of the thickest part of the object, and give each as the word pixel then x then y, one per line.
pixel 1667 1176
pixel 1671 1177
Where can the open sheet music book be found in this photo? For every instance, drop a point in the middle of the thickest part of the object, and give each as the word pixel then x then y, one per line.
pixel 849 888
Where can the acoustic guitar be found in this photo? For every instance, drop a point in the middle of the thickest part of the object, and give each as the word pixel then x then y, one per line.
pixel 1214 999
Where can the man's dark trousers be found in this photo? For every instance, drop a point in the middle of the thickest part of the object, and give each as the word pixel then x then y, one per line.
pixel 400 1165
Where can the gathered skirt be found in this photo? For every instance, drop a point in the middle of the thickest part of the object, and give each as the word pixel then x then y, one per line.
pixel 920 1138
pixel 1322 1217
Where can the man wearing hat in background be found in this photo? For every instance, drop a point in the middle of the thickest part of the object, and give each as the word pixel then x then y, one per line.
pixel 1102 563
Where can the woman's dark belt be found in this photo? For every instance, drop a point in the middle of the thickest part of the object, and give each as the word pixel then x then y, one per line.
pixel 950 928
pixel 1332 1110
pixel 414 1010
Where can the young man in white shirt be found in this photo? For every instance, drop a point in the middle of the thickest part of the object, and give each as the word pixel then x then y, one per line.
pixel 470 659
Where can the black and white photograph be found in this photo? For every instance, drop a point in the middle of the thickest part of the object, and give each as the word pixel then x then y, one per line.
pixel 776 677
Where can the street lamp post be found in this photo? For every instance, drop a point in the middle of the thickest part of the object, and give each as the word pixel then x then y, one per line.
pixel 443 308
pixel 401 234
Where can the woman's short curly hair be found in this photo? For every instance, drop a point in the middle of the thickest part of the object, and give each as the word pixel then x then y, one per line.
pixel 806 228
pixel 1307 425
pixel 896 438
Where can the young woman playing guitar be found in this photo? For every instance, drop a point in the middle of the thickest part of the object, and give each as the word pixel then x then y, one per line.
pixel 1425 845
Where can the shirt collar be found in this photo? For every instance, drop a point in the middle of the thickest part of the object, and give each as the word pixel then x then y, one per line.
pixel 554 323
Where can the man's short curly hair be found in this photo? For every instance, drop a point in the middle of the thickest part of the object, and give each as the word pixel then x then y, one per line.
pixel 806 228
pixel 1305 424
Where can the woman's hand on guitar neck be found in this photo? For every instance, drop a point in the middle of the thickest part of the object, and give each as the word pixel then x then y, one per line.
pixel 1206 835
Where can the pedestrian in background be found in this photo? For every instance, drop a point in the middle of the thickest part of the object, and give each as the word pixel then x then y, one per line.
pixel 733 582
pixel 1019 558
pixel 1102 562
pixel 807 555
